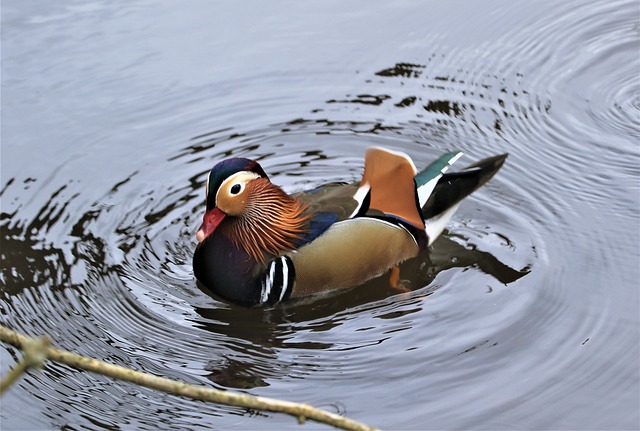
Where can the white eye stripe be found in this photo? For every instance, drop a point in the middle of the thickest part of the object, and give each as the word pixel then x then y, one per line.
pixel 239 178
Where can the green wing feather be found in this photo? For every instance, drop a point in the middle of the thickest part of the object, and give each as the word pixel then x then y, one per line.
pixel 427 179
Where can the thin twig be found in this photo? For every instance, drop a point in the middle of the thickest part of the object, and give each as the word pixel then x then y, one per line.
pixel 35 355
pixel 301 412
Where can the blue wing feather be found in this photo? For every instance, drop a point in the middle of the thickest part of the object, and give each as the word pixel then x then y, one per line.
pixel 320 222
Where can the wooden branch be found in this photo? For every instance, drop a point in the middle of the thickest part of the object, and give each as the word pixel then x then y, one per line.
pixel 35 355
pixel 300 411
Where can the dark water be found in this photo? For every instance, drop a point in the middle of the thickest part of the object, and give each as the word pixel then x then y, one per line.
pixel 524 315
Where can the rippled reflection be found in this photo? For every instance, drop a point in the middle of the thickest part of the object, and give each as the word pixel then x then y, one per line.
pixel 104 160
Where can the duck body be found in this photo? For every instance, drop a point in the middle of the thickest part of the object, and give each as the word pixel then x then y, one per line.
pixel 258 245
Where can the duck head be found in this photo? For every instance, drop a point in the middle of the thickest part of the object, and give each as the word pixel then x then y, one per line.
pixel 255 214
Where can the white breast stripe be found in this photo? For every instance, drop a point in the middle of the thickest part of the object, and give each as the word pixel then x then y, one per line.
pixel 264 294
pixel 267 284
pixel 285 277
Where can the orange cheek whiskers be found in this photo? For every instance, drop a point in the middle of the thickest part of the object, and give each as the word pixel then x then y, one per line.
pixel 272 223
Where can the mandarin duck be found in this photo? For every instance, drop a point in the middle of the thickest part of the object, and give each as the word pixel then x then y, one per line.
pixel 258 245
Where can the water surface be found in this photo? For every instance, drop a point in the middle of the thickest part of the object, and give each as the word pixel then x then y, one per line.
pixel 525 314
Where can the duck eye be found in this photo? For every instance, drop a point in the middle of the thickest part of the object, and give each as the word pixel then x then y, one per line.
pixel 235 189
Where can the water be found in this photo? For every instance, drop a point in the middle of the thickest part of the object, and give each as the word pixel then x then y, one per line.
pixel 524 315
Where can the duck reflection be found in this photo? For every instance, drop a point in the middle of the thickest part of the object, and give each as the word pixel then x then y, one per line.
pixel 258 338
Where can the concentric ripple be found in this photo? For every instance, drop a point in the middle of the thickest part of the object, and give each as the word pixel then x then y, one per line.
pixel 524 314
